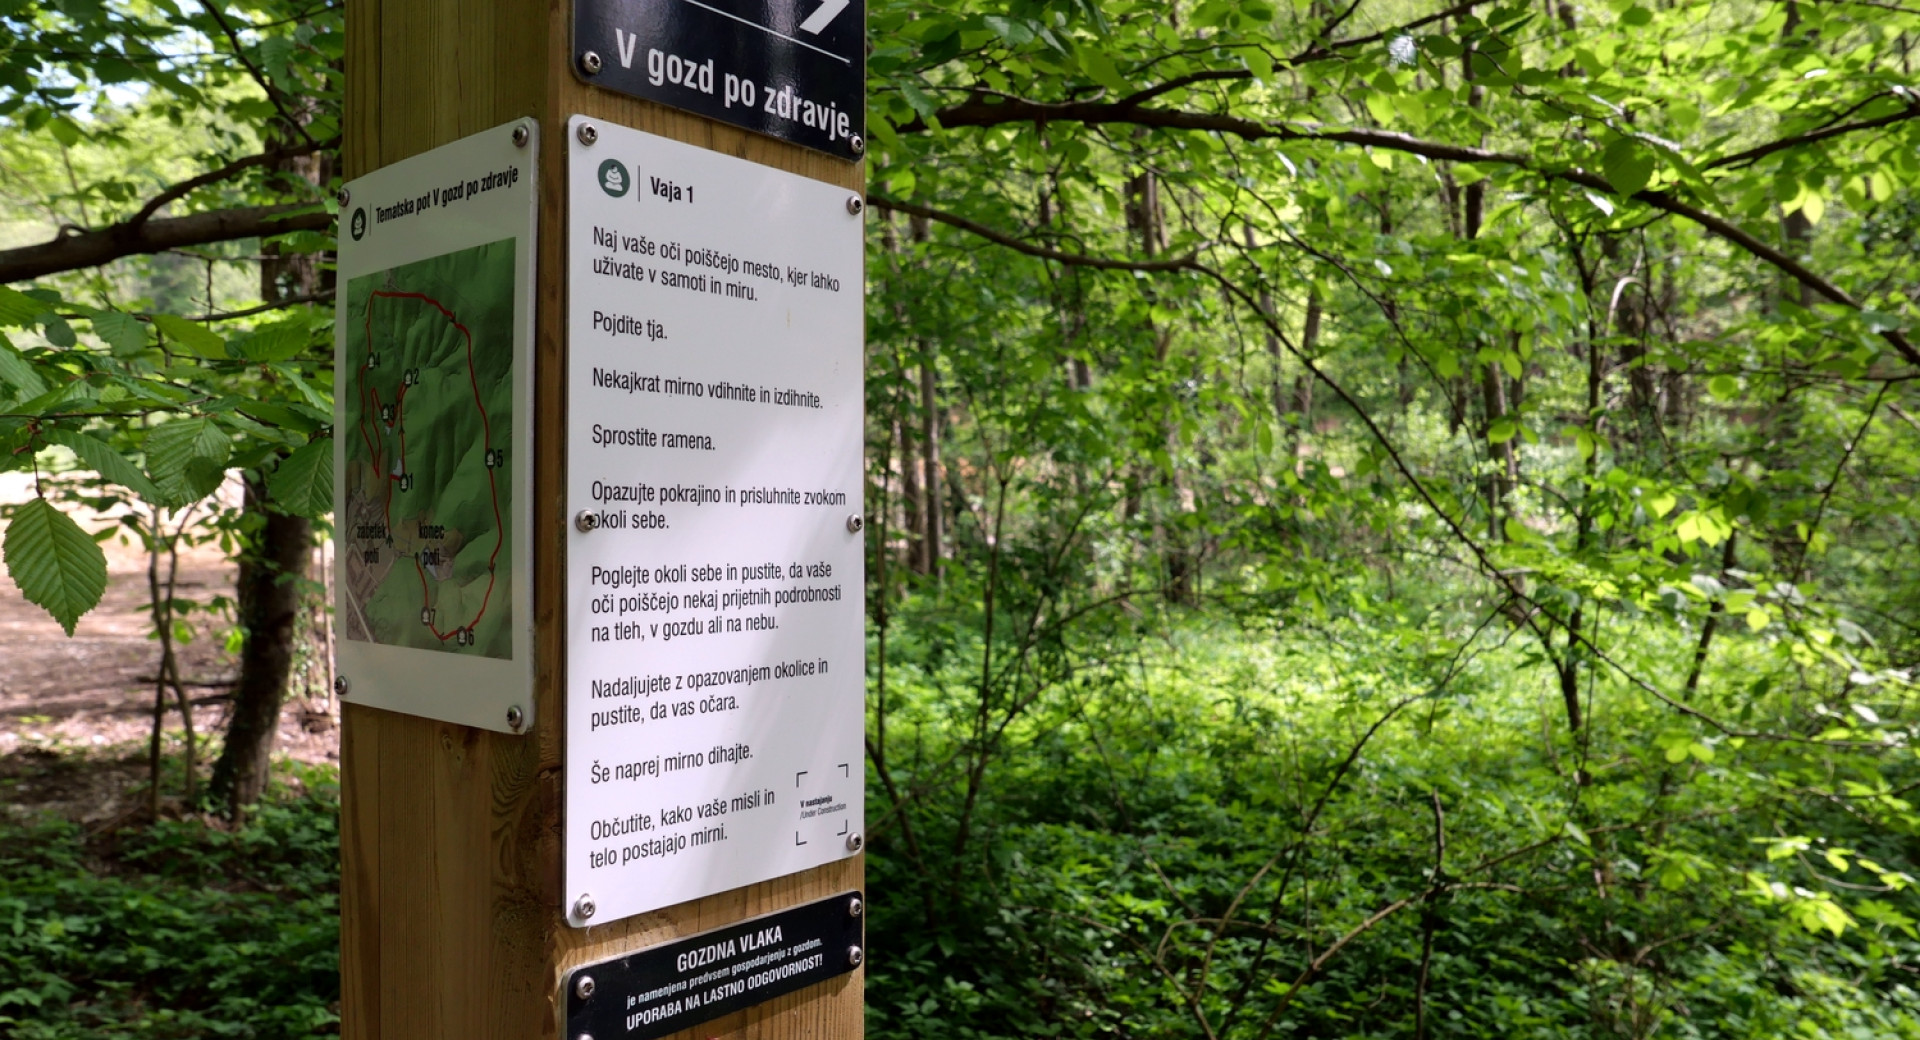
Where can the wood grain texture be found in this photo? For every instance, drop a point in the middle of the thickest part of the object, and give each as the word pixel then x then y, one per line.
pixel 450 837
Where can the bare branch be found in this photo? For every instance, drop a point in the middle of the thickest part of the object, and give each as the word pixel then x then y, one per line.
pixel 93 248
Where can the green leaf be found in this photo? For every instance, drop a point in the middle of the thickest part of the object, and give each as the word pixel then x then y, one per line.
pixel 1724 387
pixel 56 565
pixel 123 332
pixel 196 338
pixel 18 372
pixel 101 457
pixel 58 332
pixel 17 309
pixel 186 459
pixel 303 482
pixel 1100 67
pixel 1503 430
pixel 1628 165
pixel 282 342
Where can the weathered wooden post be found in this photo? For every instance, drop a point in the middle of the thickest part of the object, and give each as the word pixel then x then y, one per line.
pixel 598 506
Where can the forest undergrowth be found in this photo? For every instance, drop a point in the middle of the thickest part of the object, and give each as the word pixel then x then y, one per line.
pixel 1326 831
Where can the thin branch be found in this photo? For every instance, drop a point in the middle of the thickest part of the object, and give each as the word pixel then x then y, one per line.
pixel 1912 111
pixel 981 114
pixel 1002 238
pixel 192 184
pixel 274 94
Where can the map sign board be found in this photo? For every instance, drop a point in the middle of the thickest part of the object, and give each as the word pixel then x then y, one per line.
pixel 791 69
pixel 432 407
pixel 715 669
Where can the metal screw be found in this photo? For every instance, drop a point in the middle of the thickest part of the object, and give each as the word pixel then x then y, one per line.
pixel 521 135
pixel 855 204
pixel 587 134
pixel 858 143
pixel 340 686
pixel 345 197
pixel 855 907
pixel 515 717
pixel 583 987
pixel 586 520
pixel 855 842
pixel 855 523
pixel 584 1036
pixel 855 956
pixel 590 62
pixel 583 907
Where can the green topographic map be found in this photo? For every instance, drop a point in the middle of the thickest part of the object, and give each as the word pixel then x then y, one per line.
pixel 426 540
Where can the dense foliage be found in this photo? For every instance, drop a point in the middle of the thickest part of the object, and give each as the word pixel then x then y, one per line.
pixel 1389 519
pixel 173 929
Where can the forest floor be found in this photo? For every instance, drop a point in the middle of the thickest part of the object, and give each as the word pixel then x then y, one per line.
pixel 94 692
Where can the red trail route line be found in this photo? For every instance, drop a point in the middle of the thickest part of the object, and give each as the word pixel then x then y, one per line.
pixel 370 406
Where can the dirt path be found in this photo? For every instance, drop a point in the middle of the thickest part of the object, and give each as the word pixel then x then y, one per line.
pixel 95 690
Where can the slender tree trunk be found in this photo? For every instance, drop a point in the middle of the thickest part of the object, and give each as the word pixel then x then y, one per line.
pixel 931 548
pixel 272 573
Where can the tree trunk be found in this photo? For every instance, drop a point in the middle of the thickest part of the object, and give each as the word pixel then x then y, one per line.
pixel 272 571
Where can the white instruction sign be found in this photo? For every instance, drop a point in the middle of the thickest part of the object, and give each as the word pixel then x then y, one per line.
pixel 433 341
pixel 715 642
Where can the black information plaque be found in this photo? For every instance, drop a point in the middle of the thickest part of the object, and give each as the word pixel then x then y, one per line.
pixel 668 988
pixel 791 69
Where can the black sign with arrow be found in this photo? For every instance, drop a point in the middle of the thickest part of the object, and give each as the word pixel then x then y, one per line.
pixel 791 69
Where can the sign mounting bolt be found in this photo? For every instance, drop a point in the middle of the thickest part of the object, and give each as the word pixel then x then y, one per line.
pixel 855 523
pixel 855 842
pixel 855 907
pixel 521 135
pixel 340 686
pixel 855 204
pixel 587 134
pixel 858 144
pixel 515 718
pixel 590 62
pixel 855 956
pixel 583 987
pixel 586 520
pixel 345 197
pixel 583 907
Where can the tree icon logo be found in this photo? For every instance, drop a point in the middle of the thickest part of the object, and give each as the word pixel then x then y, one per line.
pixel 358 226
pixel 613 178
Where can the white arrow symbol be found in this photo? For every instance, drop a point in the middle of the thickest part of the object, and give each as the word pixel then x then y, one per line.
pixel 823 15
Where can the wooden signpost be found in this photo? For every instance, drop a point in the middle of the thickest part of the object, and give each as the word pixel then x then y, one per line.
pixel 457 915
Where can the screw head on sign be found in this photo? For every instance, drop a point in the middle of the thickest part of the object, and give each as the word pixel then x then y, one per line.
pixel 590 63
pixel 583 987
pixel 340 686
pixel 583 907
pixel 515 717
pixel 586 520
pixel 855 842
pixel 855 956
pixel 855 523
pixel 345 197
pixel 858 144
pixel 521 135
pixel 855 204
pixel 855 907
pixel 587 134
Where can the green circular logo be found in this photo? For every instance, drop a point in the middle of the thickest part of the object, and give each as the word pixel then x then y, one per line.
pixel 613 178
